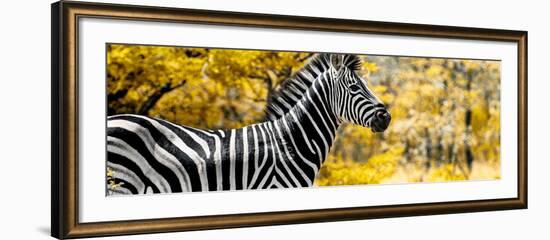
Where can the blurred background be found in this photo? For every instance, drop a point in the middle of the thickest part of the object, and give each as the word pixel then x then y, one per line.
pixel 445 112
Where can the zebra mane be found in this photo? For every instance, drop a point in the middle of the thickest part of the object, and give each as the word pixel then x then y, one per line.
pixel 291 90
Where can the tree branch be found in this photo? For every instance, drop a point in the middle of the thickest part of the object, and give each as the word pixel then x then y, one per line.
pixel 301 59
pixel 116 95
pixel 155 97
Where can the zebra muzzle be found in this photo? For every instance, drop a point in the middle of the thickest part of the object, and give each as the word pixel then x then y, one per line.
pixel 381 121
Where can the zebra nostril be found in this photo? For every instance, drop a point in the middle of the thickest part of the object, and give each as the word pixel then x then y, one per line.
pixel 387 116
pixel 383 115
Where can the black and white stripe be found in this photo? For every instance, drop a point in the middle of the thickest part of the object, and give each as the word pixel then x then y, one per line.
pixel 149 155
pixel 290 91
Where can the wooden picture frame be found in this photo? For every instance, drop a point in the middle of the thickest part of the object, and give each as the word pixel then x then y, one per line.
pixel 65 119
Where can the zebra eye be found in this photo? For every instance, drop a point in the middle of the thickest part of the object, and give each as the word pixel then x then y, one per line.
pixel 354 88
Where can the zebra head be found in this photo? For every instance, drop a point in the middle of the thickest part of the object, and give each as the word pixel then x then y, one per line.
pixel 354 101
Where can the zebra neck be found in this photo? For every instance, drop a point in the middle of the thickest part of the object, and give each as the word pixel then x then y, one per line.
pixel 311 124
pixel 293 89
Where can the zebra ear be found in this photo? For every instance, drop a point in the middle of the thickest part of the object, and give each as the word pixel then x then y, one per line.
pixel 337 61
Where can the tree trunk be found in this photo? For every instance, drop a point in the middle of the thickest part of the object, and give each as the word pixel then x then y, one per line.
pixel 468 121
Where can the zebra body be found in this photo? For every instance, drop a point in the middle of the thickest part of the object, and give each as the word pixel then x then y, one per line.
pixel 155 156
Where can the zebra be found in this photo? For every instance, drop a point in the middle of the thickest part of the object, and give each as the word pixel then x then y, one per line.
pixel 149 155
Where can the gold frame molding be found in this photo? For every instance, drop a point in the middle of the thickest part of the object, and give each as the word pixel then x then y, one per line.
pixel 65 129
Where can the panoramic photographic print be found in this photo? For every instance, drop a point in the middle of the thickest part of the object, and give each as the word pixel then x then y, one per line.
pixel 190 119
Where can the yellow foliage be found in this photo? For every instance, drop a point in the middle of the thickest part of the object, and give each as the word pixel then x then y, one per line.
pixel 445 173
pixel 111 180
pixel 340 171
pixel 220 88
pixel 370 67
